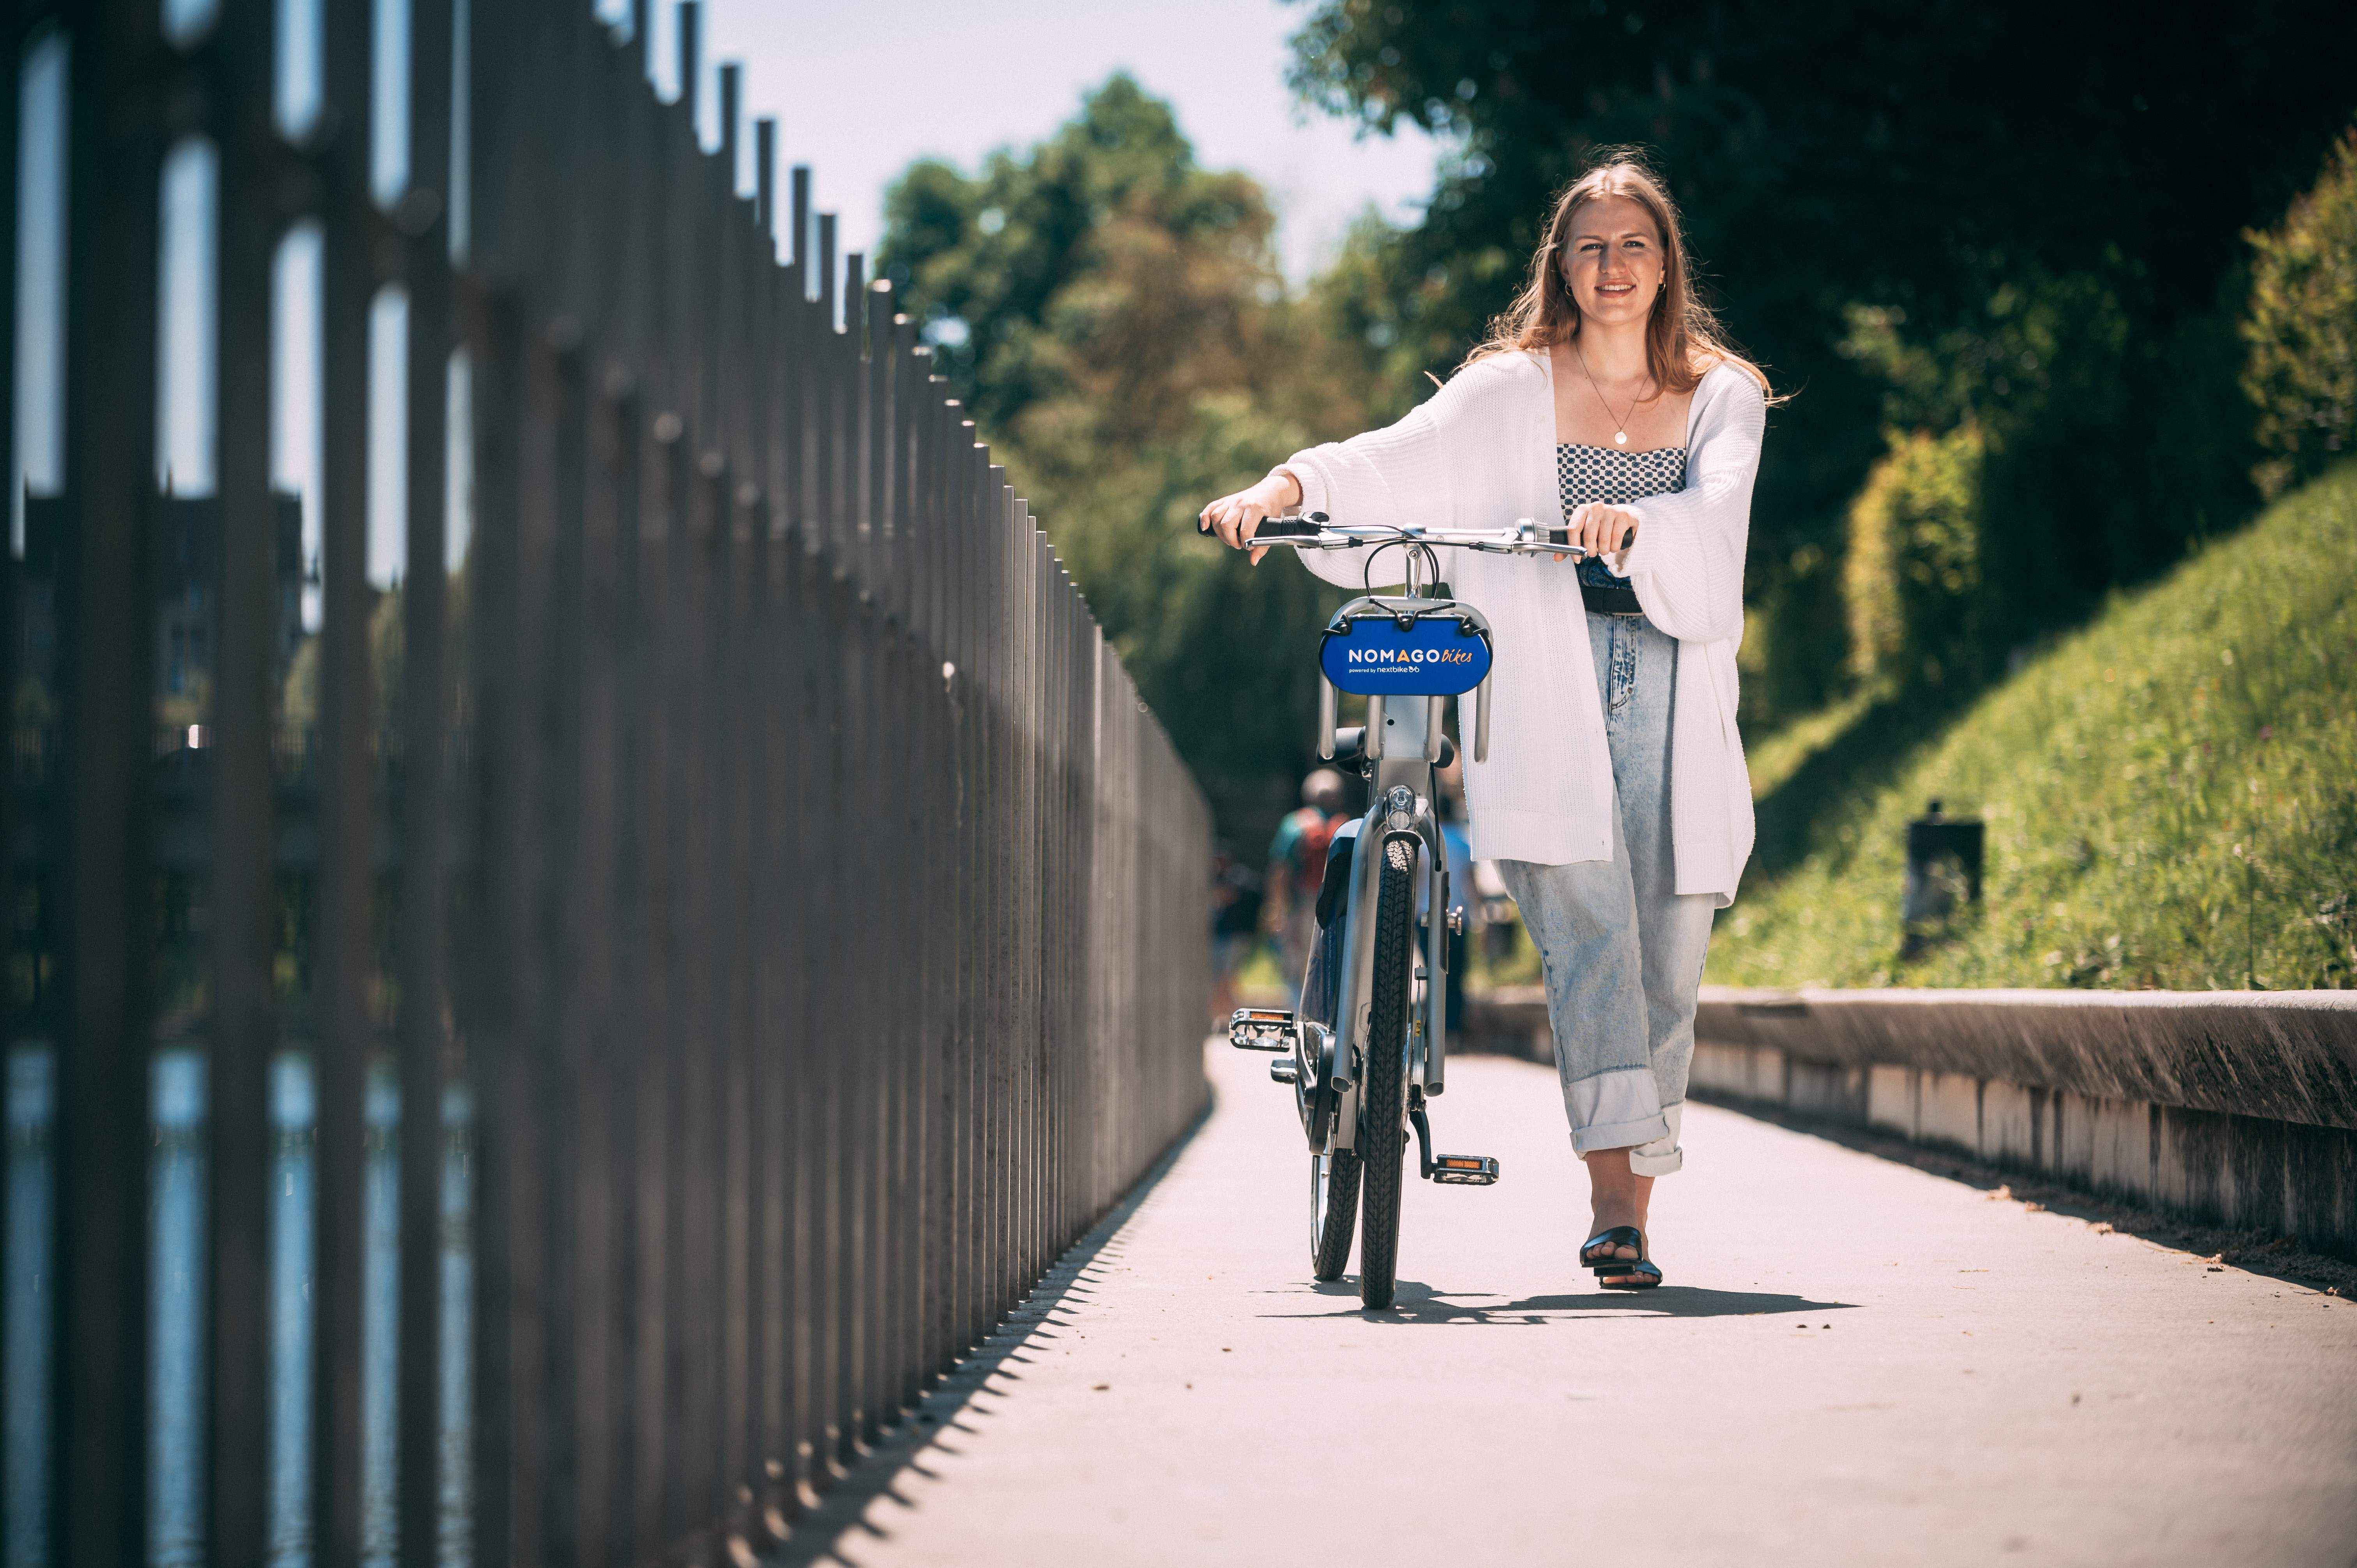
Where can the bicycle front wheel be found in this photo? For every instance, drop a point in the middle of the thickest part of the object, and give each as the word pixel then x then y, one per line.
pixel 1383 1089
pixel 1333 1212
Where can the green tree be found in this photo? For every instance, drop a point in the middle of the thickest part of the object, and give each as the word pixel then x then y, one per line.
pixel 1114 316
pixel 1959 166
pixel 2301 330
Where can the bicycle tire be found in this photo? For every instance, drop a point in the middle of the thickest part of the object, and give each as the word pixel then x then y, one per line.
pixel 1333 1213
pixel 1383 1089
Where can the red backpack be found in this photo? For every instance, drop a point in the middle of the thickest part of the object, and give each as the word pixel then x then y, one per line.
pixel 1309 852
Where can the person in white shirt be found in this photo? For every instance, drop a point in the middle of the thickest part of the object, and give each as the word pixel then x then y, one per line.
pixel 1615 800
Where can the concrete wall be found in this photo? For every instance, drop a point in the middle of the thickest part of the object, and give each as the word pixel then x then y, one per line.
pixel 2231 1108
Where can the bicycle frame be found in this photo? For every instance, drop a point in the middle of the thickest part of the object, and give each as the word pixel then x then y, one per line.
pixel 1403 745
pixel 1407 653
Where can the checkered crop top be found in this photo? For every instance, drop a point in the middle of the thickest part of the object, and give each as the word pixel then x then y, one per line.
pixel 1610 474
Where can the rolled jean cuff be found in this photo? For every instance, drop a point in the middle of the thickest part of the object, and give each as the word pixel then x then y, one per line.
pixel 1614 1109
pixel 1621 1136
pixel 1663 1156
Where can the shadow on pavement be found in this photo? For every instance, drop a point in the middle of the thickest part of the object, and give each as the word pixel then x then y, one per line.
pixel 836 1525
pixel 2257 1251
pixel 1416 1301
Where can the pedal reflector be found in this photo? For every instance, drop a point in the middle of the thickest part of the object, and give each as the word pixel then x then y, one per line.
pixel 1260 1029
pixel 1465 1170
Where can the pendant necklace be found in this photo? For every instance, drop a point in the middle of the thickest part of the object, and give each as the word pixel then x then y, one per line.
pixel 1620 426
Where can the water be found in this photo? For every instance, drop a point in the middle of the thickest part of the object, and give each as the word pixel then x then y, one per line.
pixel 25 1471
pixel 177 1307
pixel 176 1311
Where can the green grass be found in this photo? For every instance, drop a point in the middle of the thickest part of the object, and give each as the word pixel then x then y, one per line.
pixel 1777 760
pixel 2170 793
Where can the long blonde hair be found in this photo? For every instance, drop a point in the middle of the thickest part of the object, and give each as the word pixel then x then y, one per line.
pixel 1683 337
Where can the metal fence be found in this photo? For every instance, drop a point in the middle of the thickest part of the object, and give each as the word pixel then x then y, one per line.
pixel 588 905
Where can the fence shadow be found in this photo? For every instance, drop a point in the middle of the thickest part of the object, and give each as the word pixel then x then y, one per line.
pixel 939 1421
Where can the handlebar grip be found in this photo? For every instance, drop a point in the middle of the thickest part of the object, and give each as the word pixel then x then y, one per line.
pixel 1285 527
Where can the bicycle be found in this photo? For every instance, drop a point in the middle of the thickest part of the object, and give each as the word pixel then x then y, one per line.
pixel 1359 1088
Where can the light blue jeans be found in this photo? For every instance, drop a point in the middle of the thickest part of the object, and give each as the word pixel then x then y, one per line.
pixel 1623 950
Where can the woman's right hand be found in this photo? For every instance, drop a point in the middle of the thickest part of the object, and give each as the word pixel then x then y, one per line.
pixel 1234 517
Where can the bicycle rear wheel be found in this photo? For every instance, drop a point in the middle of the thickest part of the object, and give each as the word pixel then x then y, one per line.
pixel 1383 1089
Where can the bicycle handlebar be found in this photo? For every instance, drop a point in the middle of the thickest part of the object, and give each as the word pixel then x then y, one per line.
pixel 1286 528
pixel 1317 531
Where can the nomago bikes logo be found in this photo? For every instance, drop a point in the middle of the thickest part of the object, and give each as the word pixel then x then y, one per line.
pixel 1415 655
pixel 1432 656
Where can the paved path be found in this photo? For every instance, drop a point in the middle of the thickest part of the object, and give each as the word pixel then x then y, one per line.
pixel 1854 1361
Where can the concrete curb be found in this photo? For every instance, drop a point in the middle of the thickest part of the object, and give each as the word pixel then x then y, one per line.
pixel 2286 1056
pixel 2231 1108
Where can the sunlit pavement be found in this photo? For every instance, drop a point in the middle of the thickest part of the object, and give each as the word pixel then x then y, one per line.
pixel 1852 1361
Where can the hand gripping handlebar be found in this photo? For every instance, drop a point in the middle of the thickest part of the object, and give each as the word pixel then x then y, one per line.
pixel 1316 531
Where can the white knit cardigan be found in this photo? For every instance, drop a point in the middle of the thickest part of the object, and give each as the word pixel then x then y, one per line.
pixel 1480 453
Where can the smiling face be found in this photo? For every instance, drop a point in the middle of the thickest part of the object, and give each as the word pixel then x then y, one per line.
pixel 1612 258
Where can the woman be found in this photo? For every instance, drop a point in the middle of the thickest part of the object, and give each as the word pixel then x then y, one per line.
pixel 1615 799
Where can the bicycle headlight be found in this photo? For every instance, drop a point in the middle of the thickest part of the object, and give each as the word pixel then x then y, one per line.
pixel 1399 809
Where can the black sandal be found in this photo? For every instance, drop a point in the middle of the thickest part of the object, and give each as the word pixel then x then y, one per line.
pixel 1639 1275
pixel 1619 1273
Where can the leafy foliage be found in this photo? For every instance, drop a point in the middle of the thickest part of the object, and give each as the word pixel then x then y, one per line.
pixel 1113 316
pixel 1939 579
pixel 1983 175
pixel 2302 328
pixel 1913 575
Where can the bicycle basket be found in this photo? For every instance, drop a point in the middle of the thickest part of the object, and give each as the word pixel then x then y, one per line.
pixel 1431 656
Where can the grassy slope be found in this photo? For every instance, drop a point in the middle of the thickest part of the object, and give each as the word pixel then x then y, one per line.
pixel 2170 794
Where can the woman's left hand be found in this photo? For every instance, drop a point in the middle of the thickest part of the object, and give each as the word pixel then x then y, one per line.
pixel 1601 528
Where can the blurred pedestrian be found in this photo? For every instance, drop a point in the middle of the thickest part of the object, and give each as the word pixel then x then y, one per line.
pixel 1235 928
pixel 1296 866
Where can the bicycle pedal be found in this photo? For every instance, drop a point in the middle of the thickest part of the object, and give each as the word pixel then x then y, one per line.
pixel 1260 1029
pixel 1285 1069
pixel 1465 1170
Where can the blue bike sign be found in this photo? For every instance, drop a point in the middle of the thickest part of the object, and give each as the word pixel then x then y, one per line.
pixel 1430 656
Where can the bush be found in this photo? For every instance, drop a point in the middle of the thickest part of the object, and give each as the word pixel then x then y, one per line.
pixel 1912 576
pixel 2301 328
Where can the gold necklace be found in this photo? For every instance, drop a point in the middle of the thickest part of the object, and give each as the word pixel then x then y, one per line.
pixel 1620 426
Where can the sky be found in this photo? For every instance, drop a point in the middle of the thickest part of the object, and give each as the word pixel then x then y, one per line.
pixel 859 93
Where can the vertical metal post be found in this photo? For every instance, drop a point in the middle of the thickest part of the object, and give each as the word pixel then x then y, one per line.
pixel 765 185
pixel 422 1036
pixel 344 954
pixel 243 900
pixel 105 597
pixel 690 63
